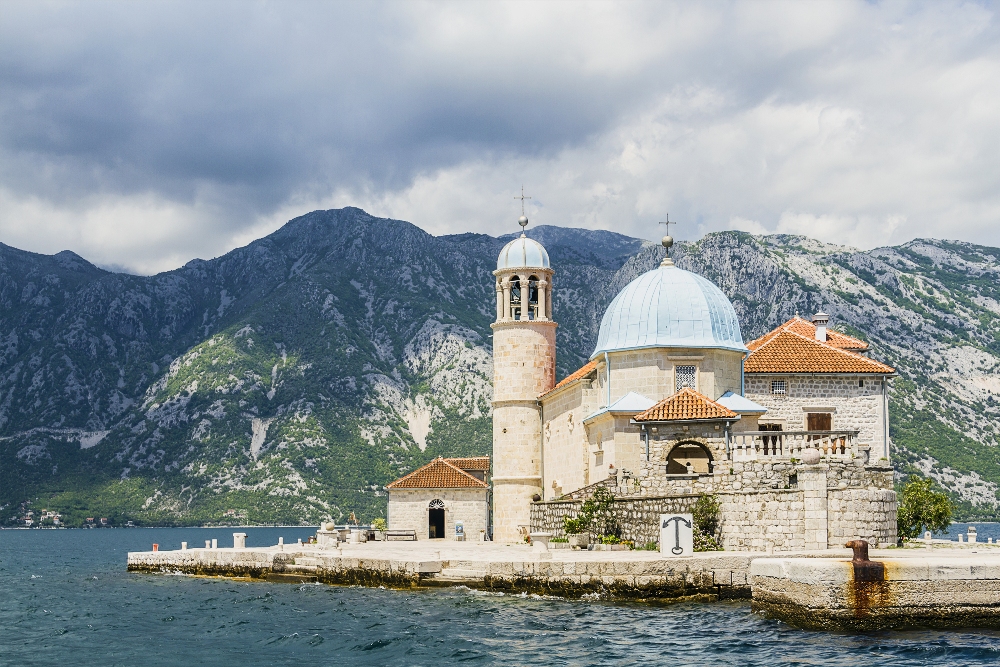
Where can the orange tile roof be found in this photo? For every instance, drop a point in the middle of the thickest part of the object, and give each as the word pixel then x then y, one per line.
pixel 438 474
pixel 789 352
pixel 685 404
pixel 471 463
pixel 806 328
pixel 583 372
pixel 579 374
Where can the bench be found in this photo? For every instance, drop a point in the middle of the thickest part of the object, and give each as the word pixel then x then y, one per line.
pixel 410 535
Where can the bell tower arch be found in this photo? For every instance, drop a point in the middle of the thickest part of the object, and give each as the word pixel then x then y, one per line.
pixel 524 367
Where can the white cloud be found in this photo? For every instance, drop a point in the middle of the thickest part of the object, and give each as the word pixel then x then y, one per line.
pixel 149 136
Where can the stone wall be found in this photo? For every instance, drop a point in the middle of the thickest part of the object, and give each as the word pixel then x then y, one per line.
pixel 638 516
pixel 566 450
pixel 763 504
pixel 650 372
pixel 408 508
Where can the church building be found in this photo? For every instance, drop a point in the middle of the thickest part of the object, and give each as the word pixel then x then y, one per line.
pixel 789 432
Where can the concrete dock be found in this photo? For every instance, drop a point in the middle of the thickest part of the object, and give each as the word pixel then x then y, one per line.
pixel 947 586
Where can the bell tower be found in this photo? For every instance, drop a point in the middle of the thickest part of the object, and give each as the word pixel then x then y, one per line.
pixel 524 367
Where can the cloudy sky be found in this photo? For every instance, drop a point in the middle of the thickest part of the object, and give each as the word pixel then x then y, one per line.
pixel 144 134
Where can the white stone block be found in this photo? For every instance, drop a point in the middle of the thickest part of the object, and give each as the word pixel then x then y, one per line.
pixel 676 535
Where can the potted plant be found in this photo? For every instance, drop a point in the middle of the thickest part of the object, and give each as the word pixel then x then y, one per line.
pixel 379 526
pixel 576 532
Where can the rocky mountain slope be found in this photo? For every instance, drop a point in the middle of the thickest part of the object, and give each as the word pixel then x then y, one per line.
pixel 291 379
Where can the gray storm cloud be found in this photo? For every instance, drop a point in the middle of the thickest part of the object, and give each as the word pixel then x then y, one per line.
pixel 145 134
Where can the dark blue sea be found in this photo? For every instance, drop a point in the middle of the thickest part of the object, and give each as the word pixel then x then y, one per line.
pixel 66 599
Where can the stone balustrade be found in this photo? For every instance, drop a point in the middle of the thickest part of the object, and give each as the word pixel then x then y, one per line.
pixel 756 445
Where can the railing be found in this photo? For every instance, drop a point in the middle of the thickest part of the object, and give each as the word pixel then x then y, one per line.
pixel 752 445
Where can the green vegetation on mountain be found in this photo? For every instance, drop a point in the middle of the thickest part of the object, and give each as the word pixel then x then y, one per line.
pixel 290 380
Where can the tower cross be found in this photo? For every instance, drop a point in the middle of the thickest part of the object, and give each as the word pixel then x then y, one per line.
pixel 668 222
pixel 522 198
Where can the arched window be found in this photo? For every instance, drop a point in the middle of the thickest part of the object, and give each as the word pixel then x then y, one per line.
pixel 689 458
pixel 533 298
pixel 515 297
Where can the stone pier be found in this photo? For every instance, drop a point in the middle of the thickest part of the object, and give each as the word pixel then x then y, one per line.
pixel 948 585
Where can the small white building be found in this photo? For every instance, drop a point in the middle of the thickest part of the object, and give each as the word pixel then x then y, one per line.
pixel 435 500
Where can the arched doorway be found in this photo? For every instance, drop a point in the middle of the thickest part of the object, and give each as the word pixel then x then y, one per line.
pixel 689 458
pixel 435 519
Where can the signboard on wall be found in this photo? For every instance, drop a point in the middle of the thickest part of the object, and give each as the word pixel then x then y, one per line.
pixel 676 535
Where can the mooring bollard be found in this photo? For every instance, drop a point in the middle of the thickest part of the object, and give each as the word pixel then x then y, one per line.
pixel 972 534
pixel 239 540
pixel 215 544
pixel 208 544
pixel 281 544
pixel 960 536
pixel 927 539
pixel 184 546
pixel 156 547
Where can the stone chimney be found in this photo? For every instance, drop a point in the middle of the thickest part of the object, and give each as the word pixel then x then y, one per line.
pixel 821 320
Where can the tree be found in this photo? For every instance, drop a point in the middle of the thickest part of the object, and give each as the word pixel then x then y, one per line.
pixel 922 508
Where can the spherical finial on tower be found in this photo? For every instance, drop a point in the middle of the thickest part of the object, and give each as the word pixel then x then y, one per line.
pixel 523 221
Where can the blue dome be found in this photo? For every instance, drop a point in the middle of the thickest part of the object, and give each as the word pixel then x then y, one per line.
pixel 523 252
pixel 669 307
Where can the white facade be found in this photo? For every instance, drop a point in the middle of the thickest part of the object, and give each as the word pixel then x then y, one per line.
pixel 409 509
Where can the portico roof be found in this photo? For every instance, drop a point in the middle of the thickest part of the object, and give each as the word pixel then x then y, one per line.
pixel 686 405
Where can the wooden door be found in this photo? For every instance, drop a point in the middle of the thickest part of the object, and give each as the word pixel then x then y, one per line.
pixel 819 421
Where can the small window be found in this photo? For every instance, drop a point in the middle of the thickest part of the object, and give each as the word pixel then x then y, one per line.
pixel 861 383
pixel 778 387
pixel 685 377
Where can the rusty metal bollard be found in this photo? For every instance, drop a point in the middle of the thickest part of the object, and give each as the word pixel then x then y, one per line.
pixel 864 569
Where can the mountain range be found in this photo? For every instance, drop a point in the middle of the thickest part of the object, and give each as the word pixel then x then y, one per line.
pixel 289 380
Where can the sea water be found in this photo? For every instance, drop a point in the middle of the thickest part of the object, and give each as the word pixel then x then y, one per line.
pixel 66 599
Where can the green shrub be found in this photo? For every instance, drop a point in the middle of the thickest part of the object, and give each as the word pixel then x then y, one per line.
pixel 706 524
pixel 379 524
pixel 920 508
pixel 596 515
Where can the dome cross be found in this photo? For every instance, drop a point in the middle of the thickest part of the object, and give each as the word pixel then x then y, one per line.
pixel 667 241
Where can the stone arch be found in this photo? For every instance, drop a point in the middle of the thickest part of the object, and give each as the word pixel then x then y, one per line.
pixel 532 298
pixel 689 457
pixel 515 297
pixel 435 519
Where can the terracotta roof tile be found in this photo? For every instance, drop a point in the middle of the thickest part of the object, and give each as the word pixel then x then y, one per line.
pixel 438 474
pixel 583 372
pixel 806 328
pixel 790 352
pixel 471 463
pixel 686 404
pixel 579 374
